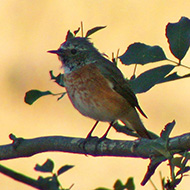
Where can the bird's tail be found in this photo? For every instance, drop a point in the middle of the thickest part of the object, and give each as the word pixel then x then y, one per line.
pixel 132 120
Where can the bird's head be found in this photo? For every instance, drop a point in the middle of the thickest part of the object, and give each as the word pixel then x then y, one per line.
pixel 75 53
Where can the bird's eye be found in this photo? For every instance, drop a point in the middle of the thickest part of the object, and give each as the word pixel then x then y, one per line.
pixel 73 51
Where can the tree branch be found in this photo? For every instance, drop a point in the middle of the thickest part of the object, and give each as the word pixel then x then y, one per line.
pixel 143 148
pixel 20 177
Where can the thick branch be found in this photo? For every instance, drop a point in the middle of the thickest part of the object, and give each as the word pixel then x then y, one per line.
pixel 140 148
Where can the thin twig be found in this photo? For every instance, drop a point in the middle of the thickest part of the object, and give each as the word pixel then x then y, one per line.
pixel 19 177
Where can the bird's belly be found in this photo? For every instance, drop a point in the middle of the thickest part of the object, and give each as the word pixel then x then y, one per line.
pixel 88 106
pixel 92 95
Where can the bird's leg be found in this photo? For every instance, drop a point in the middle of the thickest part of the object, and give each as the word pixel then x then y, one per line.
pixel 90 133
pixel 105 135
pixel 88 137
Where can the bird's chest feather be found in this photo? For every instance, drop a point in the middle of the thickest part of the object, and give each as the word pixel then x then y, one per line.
pixel 83 86
pixel 90 92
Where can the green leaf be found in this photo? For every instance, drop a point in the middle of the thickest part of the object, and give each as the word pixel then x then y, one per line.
pixel 149 78
pixel 32 95
pixel 46 167
pixel 59 79
pixel 76 31
pixel 139 53
pixel 167 130
pixel 176 182
pixel 130 184
pixel 177 161
pixel 93 30
pixel 49 183
pixel 178 35
pixel 64 169
pixel 102 188
pixel 155 162
pixel 184 170
pixel 186 155
pixel 118 185
pixel 69 35
pixel 174 76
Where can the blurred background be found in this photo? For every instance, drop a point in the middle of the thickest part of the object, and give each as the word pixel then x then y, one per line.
pixel 29 29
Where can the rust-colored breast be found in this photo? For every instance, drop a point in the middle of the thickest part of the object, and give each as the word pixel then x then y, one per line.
pixel 93 95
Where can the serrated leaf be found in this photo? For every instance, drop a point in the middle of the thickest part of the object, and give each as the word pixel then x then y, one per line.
pixel 149 78
pixel 59 79
pixel 118 185
pixel 69 35
pixel 46 167
pixel 93 30
pixel 64 169
pixel 32 95
pixel 139 53
pixel 130 184
pixel 167 130
pixel 178 35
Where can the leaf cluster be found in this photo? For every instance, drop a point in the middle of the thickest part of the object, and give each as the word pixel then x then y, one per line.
pixel 118 185
pixel 52 181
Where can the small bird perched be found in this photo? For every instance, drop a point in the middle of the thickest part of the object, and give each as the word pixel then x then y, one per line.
pixel 96 87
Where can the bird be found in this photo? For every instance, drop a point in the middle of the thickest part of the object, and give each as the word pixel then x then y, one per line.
pixel 96 86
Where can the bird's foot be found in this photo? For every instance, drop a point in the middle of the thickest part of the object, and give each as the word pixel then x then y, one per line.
pixel 85 141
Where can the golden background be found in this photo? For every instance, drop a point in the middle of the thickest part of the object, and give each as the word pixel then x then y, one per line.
pixel 29 29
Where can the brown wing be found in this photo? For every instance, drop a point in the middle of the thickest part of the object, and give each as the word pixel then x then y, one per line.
pixel 121 85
